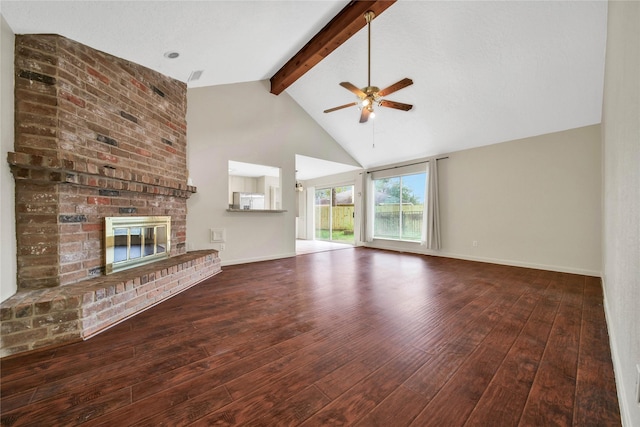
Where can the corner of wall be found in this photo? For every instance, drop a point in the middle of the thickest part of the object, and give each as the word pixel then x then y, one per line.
pixel 8 284
pixel 615 358
pixel 621 200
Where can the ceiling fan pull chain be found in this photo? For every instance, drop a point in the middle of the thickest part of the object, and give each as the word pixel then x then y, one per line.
pixel 373 135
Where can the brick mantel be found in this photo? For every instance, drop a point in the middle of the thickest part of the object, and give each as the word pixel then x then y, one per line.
pixel 42 169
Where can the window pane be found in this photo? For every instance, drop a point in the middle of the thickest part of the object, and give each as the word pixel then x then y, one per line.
pixel 387 208
pixel 342 214
pixel 399 203
pixel 412 206
pixel 323 210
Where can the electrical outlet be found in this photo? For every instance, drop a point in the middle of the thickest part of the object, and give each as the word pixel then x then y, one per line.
pixel 475 243
pixel 222 246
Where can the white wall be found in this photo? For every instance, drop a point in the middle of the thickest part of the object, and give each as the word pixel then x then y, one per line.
pixel 8 284
pixel 245 123
pixel 621 199
pixel 534 202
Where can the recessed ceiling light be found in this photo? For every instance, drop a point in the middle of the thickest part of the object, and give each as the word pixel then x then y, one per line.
pixel 171 54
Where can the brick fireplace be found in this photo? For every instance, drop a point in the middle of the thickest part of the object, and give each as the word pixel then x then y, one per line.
pixel 96 136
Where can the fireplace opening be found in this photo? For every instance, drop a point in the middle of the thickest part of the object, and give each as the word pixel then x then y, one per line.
pixel 134 241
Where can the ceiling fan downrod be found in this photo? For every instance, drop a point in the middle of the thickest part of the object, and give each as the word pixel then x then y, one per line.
pixel 368 16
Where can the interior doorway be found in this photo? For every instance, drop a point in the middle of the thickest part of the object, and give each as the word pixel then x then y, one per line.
pixel 334 214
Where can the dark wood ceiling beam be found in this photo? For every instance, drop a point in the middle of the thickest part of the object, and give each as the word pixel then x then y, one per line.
pixel 344 25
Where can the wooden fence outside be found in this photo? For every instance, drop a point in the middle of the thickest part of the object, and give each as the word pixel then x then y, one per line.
pixel 386 223
pixel 342 217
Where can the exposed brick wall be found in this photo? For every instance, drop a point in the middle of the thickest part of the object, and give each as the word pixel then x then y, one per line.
pixel 37 234
pixel 96 136
pixel 76 103
pixel 82 228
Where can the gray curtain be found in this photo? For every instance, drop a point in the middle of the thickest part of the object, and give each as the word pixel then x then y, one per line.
pixel 368 196
pixel 431 216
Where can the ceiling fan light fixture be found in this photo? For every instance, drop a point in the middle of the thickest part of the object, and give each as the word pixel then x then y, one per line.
pixel 372 94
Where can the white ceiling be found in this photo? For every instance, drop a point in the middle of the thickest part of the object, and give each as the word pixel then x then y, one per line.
pixel 231 41
pixel 484 71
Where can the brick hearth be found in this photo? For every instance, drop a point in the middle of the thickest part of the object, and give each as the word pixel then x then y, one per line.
pixel 96 136
pixel 64 314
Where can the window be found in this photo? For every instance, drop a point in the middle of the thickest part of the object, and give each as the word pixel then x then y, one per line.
pixel 398 207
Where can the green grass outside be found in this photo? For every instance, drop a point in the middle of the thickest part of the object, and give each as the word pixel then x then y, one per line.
pixel 341 236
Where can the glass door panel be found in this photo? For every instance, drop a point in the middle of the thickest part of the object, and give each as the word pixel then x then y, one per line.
pixel 322 214
pixel 334 214
pixel 342 214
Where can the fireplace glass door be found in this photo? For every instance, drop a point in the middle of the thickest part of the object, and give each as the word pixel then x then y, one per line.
pixel 132 241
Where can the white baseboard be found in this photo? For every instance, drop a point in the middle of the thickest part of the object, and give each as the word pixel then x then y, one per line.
pixel 625 412
pixel 256 259
pixel 513 263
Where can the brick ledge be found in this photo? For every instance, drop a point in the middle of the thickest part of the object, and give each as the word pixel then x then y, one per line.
pixel 55 316
pixel 38 168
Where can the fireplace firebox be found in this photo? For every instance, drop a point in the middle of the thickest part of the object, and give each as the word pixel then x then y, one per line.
pixel 134 241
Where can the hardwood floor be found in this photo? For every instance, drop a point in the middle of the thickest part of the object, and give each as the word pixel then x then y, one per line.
pixel 350 337
pixel 304 247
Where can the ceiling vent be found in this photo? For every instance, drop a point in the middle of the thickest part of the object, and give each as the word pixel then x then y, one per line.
pixel 195 75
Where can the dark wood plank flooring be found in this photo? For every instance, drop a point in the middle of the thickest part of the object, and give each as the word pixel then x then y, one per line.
pixel 349 337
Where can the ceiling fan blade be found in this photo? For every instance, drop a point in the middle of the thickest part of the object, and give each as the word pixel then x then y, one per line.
pixel 354 89
pixel 351 104
pixel 365 115
pixel 396 105
pixel 395 87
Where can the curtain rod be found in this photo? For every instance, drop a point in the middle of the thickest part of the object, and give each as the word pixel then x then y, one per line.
pixel 410 164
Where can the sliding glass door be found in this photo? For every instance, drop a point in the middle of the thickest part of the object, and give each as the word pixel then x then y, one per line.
pixel 334 214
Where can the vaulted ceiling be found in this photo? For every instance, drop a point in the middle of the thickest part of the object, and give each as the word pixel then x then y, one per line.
pixel 484 71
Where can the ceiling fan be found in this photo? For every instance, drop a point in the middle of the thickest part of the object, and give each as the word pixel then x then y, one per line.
pixel 371 95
